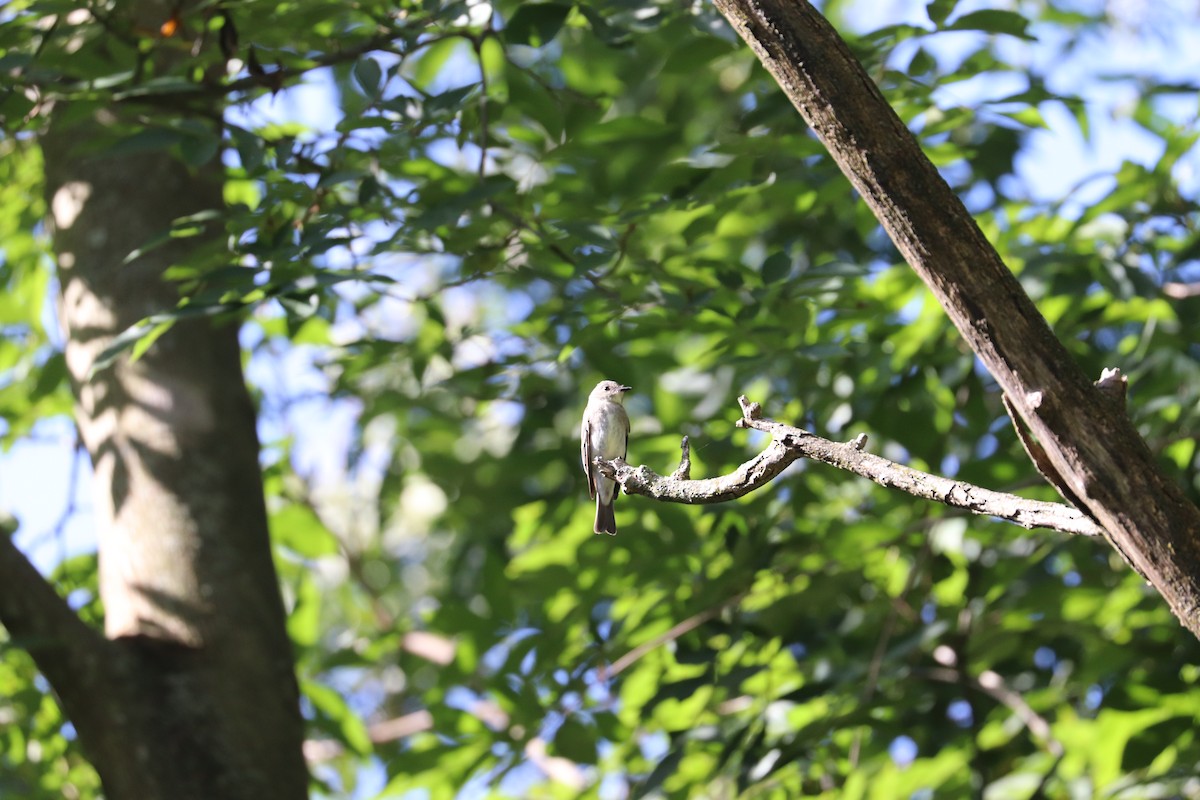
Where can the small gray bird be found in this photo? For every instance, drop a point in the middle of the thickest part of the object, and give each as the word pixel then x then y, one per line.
pixel 604 434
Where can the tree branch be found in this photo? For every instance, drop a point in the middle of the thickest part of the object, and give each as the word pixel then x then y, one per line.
pixel 789 444
pixel 1088 439
pixel 30 608
pixel 606 672
pixel 990 683
pixel 39 620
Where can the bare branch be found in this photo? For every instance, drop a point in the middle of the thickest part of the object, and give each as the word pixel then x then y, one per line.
pixel 1038 455
pixel 1181 291
pixel 382 732
pixel 689 624
pixel 885 637
pixel 991 684
pixel 789 444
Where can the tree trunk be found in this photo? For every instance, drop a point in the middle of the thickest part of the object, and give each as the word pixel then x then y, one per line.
pixel 1089 439
pixel 191 692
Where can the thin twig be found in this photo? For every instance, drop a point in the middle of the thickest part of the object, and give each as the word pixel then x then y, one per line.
pixel 689 624
pixel 885 637
pixel 477 43
pixel 991 684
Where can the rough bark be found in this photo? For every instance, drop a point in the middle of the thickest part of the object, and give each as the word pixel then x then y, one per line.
pixel 1088 438
pixel 190 693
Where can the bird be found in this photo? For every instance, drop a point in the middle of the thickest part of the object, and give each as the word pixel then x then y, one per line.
pixel 605 434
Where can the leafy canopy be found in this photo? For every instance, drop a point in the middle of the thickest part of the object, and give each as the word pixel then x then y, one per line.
pixel 453 219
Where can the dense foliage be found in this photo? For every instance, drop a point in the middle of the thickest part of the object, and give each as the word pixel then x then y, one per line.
pixel 448 221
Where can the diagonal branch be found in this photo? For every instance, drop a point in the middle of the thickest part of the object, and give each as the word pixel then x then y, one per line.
pixel 39 620
pixel 77 661
pixel 679 629
pixel 1088 439
pixel 789 444
pixel 990 683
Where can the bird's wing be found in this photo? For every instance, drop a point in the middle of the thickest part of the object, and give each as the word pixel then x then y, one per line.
pixel 625 418
pixel 585 450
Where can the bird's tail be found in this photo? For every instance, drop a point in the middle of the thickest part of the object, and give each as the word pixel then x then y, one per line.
pixel 606 519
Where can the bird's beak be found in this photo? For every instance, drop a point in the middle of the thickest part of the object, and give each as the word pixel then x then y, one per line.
pixel 625 388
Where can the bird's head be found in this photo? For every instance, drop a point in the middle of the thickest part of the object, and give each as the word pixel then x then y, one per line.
pixel 609 390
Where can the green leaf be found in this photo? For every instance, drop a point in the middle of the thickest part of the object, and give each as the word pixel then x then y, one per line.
pixel 249 147
pixel 198 148
pixel 993 20
pixel 119 344
pixel 452 99
pixel 777 267
pixel 576 741
pixel 1030 117
pixel 304 621
pixel 51 376
pixel 423 69
pixel 939 10
pixel 610 34
pixel 297 528
pixel 536 24
pixel 146 140
pixel 665 769
pixel 347 725
pixel 146 340
pixel 369 75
